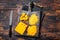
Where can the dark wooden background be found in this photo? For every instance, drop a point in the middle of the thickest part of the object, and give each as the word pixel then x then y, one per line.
pixel 51 23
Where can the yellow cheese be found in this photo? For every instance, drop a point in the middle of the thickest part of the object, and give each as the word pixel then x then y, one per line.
pixel 32 30
pixel 20 28
pixel 24 16
pixel 33 19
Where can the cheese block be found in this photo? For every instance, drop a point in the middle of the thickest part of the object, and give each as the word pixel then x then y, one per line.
pixel 20 28
pixel 24 16
pixel 33 19
pixel 32 30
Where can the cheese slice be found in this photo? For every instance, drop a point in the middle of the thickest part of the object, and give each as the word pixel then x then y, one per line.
pixel 24 16
pixel 20 28
pixel 32 30
pixel 33 19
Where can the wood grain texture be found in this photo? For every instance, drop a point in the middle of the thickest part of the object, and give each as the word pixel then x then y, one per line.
pixel 50 26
